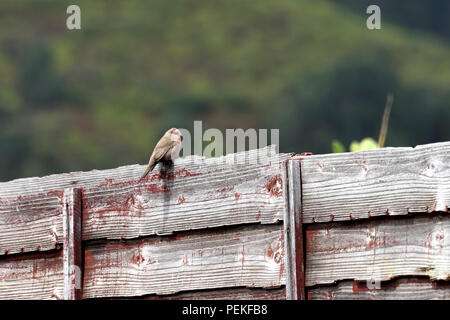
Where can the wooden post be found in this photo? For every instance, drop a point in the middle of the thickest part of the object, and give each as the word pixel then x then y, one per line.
pixel 72 243
pixel 295 288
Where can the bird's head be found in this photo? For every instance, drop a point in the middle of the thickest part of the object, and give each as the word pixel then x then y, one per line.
pixel 174 134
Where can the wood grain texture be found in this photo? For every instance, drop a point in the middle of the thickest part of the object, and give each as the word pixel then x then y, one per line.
pixel 31 222
pixel 293 229
pixel 251 256
pixel 200 195
pixel 378 250
pixel 72 251
pixel 389 181
pixel 194 193
pixel 226 294
pixel 32 276
pixel 399 289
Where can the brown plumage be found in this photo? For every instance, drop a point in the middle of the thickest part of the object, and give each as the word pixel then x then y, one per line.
pixel 167 148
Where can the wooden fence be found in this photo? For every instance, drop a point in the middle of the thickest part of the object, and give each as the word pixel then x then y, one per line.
pixel 252 225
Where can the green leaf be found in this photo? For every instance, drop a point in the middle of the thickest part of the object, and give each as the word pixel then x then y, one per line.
pixel 337 146
pixel 365 144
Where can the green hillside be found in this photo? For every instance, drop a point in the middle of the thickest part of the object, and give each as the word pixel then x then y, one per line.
pixel 101 97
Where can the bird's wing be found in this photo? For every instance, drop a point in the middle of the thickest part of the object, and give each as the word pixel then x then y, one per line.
pixel 162 147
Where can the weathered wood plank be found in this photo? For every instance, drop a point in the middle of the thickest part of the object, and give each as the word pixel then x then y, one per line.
pixel 196 193
pixel 251 256
pixel 31 222
pixel 393 181
pixel 293 228
pixel 400 289
pixel 378 250
pixel 88 179
pixel 72 256
pixel 226 294
pixel 32 276
pixel 201 195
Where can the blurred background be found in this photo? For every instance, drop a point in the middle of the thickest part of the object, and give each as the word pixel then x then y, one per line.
pixel 101 97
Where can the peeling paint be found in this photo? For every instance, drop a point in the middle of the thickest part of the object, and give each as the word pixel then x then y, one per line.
pixel 275 186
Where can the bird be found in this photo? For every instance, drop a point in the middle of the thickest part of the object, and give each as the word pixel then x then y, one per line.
pixel 167 149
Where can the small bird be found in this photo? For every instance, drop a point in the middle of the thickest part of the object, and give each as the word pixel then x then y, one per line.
pixel 167 149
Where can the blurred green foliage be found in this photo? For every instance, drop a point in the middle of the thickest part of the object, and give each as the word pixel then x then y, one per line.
pixel 337 146
pixel 364 144
pixel 101 97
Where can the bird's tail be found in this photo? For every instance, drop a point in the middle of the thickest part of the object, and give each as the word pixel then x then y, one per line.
pixel 147 170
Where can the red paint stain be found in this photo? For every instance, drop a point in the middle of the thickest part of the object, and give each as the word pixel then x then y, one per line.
pixel 185 260
pixel 237 195
pixel 30 198
pixel 137 259
pixel 225 189
pixel 222 196
pixel 258 216
pixel 154 188
pixel 127 203
pixel 89 259
pixel 275 186
pixel 360 287
pixel 311 234
pixel 281 271
pixel 173 174
pixel 320 164
pixel 372 243
pixel 58 193
pixel 181 199
pixel 269 252
pixel 108 182
pixel 279 255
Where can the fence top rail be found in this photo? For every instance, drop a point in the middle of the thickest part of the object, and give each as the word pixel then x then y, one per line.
pixel 364 184
pixel 130 173
pixel 195 193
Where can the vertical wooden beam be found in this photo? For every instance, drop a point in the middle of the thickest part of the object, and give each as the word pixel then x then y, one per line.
pixel 293 228
pixel 72 258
